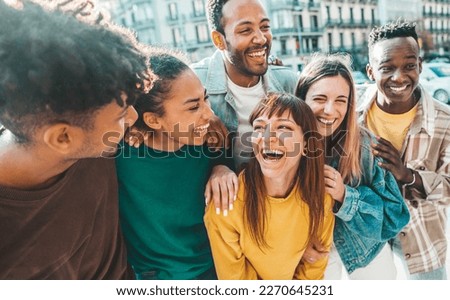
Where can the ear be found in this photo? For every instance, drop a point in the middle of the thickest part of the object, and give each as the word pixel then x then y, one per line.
pixel 62 137
pixel 369 72
pixel 218 40
pixel 152 120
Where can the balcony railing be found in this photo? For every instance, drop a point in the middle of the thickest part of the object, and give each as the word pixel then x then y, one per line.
pixel 296 31
pixel 287 4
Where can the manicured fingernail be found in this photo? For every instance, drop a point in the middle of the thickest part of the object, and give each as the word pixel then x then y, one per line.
pixel 235 196
pixel 206 200
pixel 217 211
pixel 375 152
pixel 231 206
pixel 225 212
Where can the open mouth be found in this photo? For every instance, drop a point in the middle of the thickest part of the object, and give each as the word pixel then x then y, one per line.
pixel 259 54
pixel 326 122
pixel 201 130
pixel 272 155
pixel 398 89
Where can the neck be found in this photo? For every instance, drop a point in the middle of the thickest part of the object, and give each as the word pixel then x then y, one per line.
pixel 162 142
pixel 27 168
pixel 278 187
pixel 239 78
pixel 392 107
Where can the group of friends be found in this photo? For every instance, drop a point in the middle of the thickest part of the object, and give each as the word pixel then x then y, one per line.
pixel 303 176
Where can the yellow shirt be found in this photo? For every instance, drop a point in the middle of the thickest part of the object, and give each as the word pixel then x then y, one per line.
pixel 237 256
pixel 391 127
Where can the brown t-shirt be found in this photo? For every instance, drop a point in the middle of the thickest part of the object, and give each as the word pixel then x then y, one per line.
pixel 68 231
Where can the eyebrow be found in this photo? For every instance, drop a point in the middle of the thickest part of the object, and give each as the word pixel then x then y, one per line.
pixel 189 101
pixel 407 57
pixel 282 120
pixel 249 23
pixel 325 96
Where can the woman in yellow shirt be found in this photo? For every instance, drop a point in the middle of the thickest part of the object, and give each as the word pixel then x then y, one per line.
pixel 280 204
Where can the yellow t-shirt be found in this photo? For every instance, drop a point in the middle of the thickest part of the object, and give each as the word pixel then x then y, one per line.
pixel 391 127
pixel 237 256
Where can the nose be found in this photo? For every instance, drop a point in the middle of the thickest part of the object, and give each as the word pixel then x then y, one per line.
pixel 131 116
pixel 259 37
pixel 397 75
pixel 269 135
pixel 207 112
pixel 329 107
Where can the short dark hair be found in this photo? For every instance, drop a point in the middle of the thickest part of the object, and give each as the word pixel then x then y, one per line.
pixel 214 14
pixel 57 68
pixel 392 30
pixel 166 65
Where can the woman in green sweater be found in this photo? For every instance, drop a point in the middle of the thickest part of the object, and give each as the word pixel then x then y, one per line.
pixel 162 182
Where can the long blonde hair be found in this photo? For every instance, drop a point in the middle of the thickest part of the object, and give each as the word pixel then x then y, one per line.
pixel 331 65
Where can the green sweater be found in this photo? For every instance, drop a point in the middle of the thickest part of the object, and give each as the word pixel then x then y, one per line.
pixel 161 197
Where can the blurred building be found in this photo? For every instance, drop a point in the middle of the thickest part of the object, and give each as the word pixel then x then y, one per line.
pixel 299 27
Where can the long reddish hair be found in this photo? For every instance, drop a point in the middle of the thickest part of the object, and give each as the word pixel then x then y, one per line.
pixel 309 176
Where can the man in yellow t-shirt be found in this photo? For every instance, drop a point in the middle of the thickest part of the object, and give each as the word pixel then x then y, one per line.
pixel 413 134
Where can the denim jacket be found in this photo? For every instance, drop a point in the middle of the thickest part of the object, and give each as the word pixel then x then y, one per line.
pixel 373 211
pixel 212 74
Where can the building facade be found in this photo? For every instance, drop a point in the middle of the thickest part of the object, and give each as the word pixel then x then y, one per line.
pixel 299 27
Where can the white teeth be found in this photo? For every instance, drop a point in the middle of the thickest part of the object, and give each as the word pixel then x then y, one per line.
pixel 272 155
pixel 201 129
pixel 326 122
pixel 256 54
pixel 275 152
pixel 398 89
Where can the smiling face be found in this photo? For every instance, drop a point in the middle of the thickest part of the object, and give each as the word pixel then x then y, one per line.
pixel 395 65
pixel 248 40
pixel 187 113
pixel 328 99
pixel 278 145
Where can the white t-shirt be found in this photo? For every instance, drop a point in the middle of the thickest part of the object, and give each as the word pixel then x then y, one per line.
pixel 246 100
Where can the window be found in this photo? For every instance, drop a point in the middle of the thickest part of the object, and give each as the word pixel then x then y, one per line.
pixel 340 14
pixel 351 15
pixel 362 16
pixel 173 11
pixel 328 13
pixel 199 8
pixel 330 42
pixel 314 23
pixel 341 39
pixel 176 36
pixel 372 12
pixel 300 22
pixel 353 40
pixel 202 33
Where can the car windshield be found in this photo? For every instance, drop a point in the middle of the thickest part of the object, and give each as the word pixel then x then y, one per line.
pixel 441 71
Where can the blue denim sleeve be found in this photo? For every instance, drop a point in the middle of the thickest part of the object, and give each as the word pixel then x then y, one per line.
pixel 375 209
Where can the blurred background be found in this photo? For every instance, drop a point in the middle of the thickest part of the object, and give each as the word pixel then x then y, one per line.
pixel 300 28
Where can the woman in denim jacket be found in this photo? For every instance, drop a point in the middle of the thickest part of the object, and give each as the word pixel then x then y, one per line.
pixel 369 207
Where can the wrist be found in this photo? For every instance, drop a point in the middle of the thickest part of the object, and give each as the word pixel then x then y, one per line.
pixel 412 181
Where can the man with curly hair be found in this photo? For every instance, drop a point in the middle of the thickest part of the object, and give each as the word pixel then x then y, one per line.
pixel 66 90
pixel 413 139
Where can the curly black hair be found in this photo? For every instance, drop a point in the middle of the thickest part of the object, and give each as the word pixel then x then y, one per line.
pixel 392 30
pixel 56 68
pixel 214 14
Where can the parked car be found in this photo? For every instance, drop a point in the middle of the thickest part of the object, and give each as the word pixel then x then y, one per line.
pixel 435 78
pixel 359 77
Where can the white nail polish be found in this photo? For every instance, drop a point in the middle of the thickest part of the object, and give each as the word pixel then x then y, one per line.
pixel 231 206
pixel 218 211
pixel 225 212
